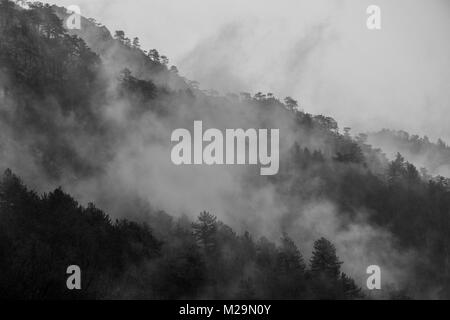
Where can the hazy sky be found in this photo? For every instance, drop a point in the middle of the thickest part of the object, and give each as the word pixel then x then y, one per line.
pixel 319 52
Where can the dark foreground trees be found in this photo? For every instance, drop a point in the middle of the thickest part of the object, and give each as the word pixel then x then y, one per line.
pixel 53 95
pixel 40 236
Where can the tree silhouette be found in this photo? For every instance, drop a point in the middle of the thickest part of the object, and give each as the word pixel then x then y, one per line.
pixel 120 35
pixel 153 54
pixel 324 261
pixel 291 104
pixel 136 44
pixel 205 230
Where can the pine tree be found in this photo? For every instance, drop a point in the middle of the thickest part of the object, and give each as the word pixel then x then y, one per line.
pixel 289 257
pixel 290 103
pixel 349 288
pixel 136 43
pixel 120 35
pixel 153 54
pixel 205 230
pixel 396 168
pixel 164 60
pixel 324 261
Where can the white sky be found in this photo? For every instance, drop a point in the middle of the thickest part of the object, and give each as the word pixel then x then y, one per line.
pixel 318 51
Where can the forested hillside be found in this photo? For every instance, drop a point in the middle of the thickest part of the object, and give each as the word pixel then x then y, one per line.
pixel 432 157
pixel 96 120
pixel 42 235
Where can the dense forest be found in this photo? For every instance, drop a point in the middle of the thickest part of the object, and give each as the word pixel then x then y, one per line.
pixel 92 113
pixel 432 158
pixel 42 235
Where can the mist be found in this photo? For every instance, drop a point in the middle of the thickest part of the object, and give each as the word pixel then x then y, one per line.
pixel 320 53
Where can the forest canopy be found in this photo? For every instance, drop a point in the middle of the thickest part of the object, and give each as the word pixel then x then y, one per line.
pixel 92 113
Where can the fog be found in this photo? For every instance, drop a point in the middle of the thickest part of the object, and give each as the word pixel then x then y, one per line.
pixel 319 52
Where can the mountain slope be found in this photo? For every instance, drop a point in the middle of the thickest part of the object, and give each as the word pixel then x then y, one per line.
pixel 434 157
pixel 99 125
